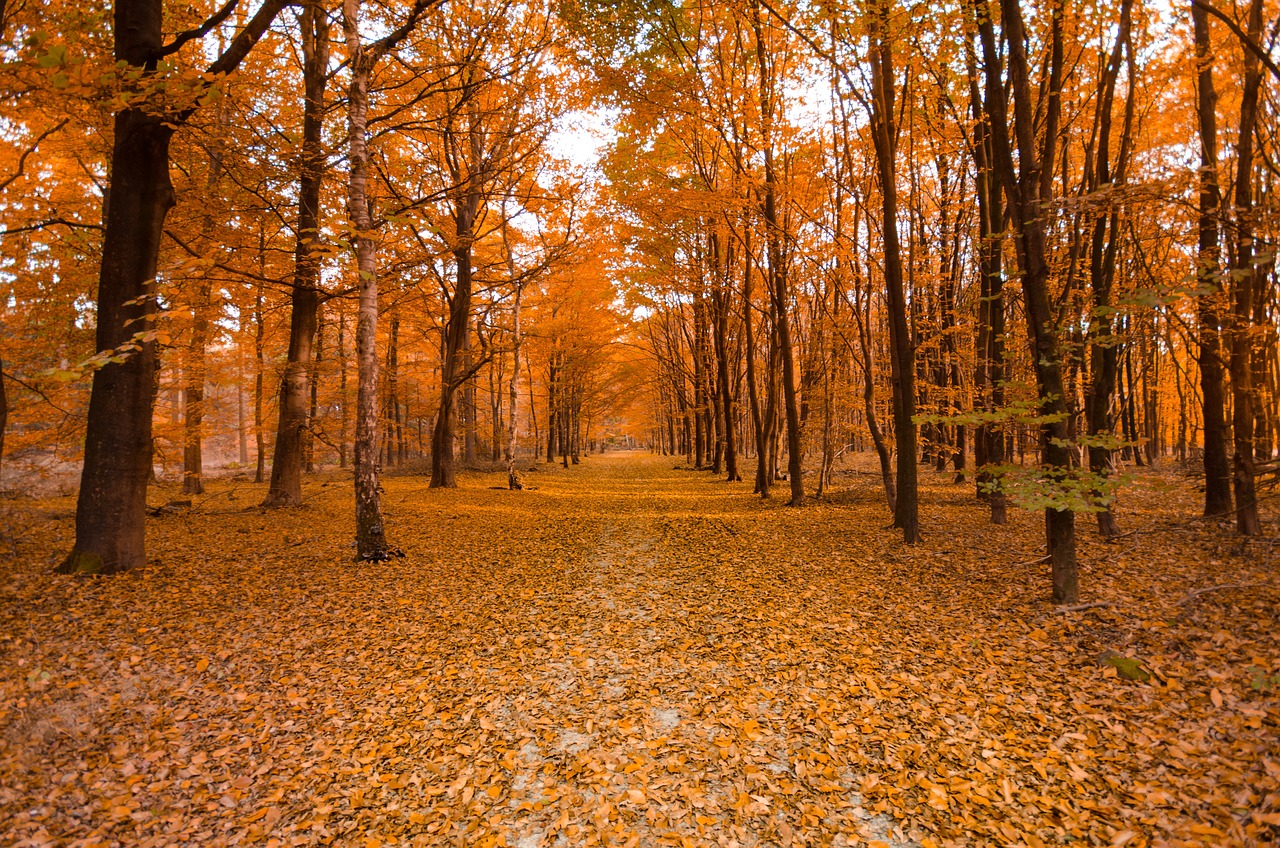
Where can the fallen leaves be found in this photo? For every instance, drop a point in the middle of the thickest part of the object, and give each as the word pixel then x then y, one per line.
pixel 631 655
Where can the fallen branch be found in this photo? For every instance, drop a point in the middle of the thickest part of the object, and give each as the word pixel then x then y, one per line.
pixel 1195 593
pixel 1041 561
pixel 1088 606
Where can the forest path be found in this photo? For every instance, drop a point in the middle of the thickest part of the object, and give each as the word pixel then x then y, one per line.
pixel 627 654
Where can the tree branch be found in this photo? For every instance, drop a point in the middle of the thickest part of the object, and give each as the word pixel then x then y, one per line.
pixel 392 40
pixel 201 31
pixel 1249 44
pixel 52 222
pixel 22 160
pixel 249 36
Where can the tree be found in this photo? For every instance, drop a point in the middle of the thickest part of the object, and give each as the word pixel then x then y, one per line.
pixel 371 539
pixel 902 359
pixel 286 465
pixel 111 507
pixel 1025 189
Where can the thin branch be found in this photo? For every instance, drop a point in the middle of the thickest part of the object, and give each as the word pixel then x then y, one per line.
pixel 201 31
pixel 249 36
pixel 22 160
pixel 1195 593
pixel 52 222
pixel 1249 44
pixel 1083 607
pixel 8 375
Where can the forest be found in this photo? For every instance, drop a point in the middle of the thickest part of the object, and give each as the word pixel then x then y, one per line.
pixel 639 422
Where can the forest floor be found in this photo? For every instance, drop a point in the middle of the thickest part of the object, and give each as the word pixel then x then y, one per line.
pixel 632 655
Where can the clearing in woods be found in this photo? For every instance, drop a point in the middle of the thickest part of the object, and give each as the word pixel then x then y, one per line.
pixel 634 655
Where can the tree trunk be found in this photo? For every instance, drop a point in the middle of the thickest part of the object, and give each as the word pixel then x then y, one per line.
pixel 393 392
pixel 779 289
pixel 371 541
pixel 753 390
pixel 719 299
pixel 1217 474
pixel 1104 243
pixel 195 373
pixel 287 463
pixel 988 438
pixel 259 376
pixel 1024 188
pixel 1245 278
pixel 517 339
pixel 456 353
pixel 111 507
pixel 4 419
pixel 902 361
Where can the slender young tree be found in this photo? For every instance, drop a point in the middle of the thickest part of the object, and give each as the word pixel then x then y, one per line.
pixel 902 359
pixel 1245 278
pixel 779 290
pixel 1025 189
pixel 371 538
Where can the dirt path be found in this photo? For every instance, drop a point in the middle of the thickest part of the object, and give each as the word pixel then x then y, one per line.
pixel 627 655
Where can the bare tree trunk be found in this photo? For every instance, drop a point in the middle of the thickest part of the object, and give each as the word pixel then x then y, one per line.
pixel 988 438
pixel 1103 349
pixel 1245 278
pixel 720 303
pixel 866 362
pixel 111 507
pixel 779 290
pixel 517 339
pixel 1217 475
pixel 291 427
pixel 344 421
pixel 1025 189
pixel 371 540
pixel 195 373
pixel 259 376
pixel 313 388
pixel 393 390
pixel 753 390
pixel 4 418
pixel 242 423
pixel 457 346
pixel 903 361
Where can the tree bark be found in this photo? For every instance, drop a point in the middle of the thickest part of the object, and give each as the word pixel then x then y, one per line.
pixel 454 372
pixel 371 540
pixel 1217 474
pixel 4 418
pixel 988 437
pixel 1104 244
pixel 195 373
pixel 720 303
pixel 517 339
pixel 902 361
pixel 779 289
pixel 1245 279
pixel 287 463
pixel 1024 188
pixel 111 507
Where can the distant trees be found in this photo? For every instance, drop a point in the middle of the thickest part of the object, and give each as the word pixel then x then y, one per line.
pixel 980 225
pixel 1041 252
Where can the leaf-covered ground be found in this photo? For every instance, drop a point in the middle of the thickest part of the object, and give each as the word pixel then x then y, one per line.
pixel 634 655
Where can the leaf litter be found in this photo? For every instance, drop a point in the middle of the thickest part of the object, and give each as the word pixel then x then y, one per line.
pixel 635 656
